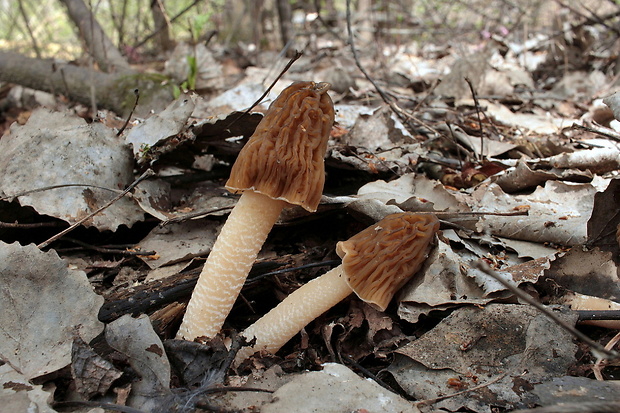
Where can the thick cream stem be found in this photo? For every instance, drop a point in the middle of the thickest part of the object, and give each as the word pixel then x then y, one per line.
pixel 305 304
pixel 228 264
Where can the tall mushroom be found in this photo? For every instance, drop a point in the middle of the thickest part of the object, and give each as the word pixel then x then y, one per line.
pixel 281 164
pixel 376 263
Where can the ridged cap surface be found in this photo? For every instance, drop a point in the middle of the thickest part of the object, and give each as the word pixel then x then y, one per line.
pixel 283 159
pixel 379 260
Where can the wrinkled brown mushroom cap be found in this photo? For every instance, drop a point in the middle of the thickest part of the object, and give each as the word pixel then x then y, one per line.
pixel 284 157
pixel 379 260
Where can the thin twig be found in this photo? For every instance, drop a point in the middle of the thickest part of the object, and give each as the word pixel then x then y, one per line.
pixel 477 213
pixel 427 94
pixel 37 225
pixel 329 263
pixel 421 122
pixel 192 215
pixel 383 95
pixel 136 92
pixel 349 359
pixel 456 145
pixel 64 81
pixel 237 389
pixel 282 72
pixel 477 105
pixel 45 188
pixel 148 173
pixel 593 19
pixel 91 60
pixel 599 130
pixel 317 7
pixel 371 158
pixel 598 350
pixel 235 346
pixel 448 396
pixel 596 315
pixel 105 250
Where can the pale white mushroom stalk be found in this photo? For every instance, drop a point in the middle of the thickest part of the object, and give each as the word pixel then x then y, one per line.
pixel 376 263
pixel 305 304
pixel 233 255
pixel 282 164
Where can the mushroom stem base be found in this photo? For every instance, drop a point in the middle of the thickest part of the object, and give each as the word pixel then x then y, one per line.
pixel 228 264
pixel 305 304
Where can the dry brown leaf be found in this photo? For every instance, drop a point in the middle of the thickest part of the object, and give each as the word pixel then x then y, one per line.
pixel 151 138
pixel 17 394
pixel 93 375
pixel 335 389
pixel 136 339
pixel 477 345
pixel 43 305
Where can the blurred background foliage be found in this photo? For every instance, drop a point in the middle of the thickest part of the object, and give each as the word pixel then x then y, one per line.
pixel 126 22
pixel 41 27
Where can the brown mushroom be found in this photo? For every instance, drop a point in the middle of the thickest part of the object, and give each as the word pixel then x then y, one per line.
pixel 376 263
pixel 281 164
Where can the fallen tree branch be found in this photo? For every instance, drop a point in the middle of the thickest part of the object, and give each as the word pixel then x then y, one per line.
pixel 112 91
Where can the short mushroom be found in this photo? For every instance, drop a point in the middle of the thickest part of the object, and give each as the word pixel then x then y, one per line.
pixel 281 164
pixel 376 263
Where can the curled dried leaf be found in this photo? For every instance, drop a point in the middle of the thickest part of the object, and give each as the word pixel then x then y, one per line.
pixel 379 260
pixel 284 157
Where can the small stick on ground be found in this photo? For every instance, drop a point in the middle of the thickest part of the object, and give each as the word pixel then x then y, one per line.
pixel 448 396
pixel 45 188
pixel 105 250
pixel 136 92
pixel 148 173
pixel 599 130
pixel 37 225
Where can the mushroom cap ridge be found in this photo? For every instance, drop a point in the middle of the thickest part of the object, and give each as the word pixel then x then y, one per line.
pixel 284 158
pixel 379 260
